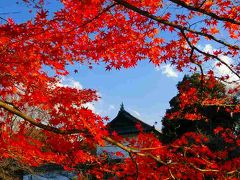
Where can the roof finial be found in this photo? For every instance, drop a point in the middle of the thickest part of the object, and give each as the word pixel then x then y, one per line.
pixel 122 107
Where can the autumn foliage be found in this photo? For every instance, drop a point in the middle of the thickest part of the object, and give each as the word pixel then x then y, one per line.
pixel 43 122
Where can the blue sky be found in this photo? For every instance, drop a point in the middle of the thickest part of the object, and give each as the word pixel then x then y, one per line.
pixel 145 90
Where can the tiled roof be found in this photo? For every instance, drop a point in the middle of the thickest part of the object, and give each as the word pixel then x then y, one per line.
pixel 125 123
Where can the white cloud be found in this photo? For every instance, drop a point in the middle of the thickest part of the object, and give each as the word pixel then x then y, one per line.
pixel 221 70
pixel 111 107
pixel 168 70
pixel 69 82
pixel 136 113
pixel 208 48
pixel 224 70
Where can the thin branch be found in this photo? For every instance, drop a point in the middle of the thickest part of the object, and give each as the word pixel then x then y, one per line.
pixel 221 105
pixel 171 174
pixel 3 19
pixel 29 119
pixel 11 109
pixel 190 25
pixel 77 27
pixel 232 172
pixel 94 18
pixel 229 82
pixel 203 170
pixel 174 25
pixel 131 150
pixel 202 4
pixel 203 11
pixel 207 54
pixel 216 57
pixel 192 60
pixel 136 165
pixel 149 149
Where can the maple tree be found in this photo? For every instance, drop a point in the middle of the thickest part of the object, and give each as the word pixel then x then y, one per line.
pixel 118 33
pixel 195 117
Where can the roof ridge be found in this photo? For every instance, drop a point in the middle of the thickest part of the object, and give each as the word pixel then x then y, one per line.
pixel 133 118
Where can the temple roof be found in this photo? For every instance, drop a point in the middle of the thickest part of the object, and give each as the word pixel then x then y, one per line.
pixel 124 123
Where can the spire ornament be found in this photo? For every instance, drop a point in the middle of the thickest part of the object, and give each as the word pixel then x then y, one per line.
pixel 122 107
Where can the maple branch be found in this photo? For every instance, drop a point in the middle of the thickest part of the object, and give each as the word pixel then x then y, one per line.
pixel 232 172
pixel 206 54
pixel 136 165
pixel 216 57
pixel 201 70
pixel 203 11
pixel 149 149
pixel 220 105
pixel 94 18
pixel 191 58
pixel 229 82
pixel 203 170
pixel 133 150
pixel 29 119
pixel 174 25
pixel 3 19
pixel 202 4
pixel 45 30
pixel 11 109
pixel 171 174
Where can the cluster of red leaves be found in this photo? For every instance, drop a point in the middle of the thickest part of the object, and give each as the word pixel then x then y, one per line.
pixel 118 33
pixel 208 92
pixel 189 155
